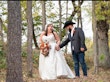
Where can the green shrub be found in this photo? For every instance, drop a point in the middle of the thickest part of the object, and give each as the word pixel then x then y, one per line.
pixel 2 63
pixel 24 54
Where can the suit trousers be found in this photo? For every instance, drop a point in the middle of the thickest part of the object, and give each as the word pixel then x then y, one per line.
pixel 79 58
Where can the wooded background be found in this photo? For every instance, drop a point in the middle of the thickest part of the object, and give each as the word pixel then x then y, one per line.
pixel 21 23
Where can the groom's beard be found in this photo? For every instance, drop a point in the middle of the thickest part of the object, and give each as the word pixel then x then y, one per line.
pixel 69 30
pixel 52 30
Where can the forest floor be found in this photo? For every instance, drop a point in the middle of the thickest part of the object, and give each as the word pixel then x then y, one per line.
pixel 102 76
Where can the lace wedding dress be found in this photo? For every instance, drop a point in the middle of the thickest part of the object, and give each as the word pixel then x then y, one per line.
pixel 54 65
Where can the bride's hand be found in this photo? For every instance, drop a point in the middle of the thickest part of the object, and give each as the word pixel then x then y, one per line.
pixel 43 47
pixel 49 46
pixel 57 47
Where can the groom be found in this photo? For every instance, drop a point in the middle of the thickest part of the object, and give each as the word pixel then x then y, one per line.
pixel 77 39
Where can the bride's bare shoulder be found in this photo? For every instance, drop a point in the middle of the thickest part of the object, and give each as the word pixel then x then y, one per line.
pixel 55 33
pixel 43 33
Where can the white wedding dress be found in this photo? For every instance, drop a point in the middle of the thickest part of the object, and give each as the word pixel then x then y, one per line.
pixel 53 65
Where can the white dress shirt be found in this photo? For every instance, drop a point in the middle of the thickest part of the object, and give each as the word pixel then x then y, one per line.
pixel 72 36
pixel 72 32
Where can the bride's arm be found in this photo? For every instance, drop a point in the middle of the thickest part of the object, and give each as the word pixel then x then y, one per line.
pixel 40 39
pixel 41 36
pixel 57 38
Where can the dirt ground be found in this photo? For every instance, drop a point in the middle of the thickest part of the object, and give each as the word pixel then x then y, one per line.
pixel 102 76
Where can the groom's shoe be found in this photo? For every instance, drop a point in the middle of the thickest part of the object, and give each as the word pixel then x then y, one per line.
pixel 85 77
pixel 76 77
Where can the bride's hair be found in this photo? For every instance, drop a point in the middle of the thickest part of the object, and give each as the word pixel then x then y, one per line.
pixel 46 29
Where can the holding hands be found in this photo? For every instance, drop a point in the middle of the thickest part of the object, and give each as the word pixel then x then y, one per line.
pixel 57 47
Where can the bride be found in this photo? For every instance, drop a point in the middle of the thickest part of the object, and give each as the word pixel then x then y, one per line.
pixel 54 65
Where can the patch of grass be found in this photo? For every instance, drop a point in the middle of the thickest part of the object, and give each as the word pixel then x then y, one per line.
pixel 2 63
pixel 36 54
pixel 102 57
pixel 2 60
pixel 24 54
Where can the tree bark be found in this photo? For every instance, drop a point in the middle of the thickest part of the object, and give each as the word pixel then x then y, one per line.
pixel 13 57
pixel 66 20
pixel 43 15
pixel 76 9
pixel 79 19
pixel 104 56
pixel 102 34
pixel 60 17
pixel 80 16
pixel 34 38
pixel 66 10
pixel 95 38
pixel 30 37
pixel 1 33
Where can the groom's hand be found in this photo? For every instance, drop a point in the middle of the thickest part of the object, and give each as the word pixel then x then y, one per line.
pixel 57 47
pixel 82 49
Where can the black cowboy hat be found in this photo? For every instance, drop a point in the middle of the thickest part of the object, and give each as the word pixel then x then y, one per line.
pixel 68 23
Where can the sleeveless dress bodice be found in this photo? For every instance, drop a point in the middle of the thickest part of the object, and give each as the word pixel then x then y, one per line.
pixel 50 38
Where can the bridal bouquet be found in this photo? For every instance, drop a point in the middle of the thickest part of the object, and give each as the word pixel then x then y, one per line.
pixel 44 47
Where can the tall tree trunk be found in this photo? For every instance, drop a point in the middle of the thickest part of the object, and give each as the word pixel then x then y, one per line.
pixel 34 38
pixel 79 15
pixel 66 10
pixel 30 36
pixel 43 15
pixel 95 38
pixel 66 20
pixel 14 61
pixel 104 56
pixel 2 44
pixel 76 9
pixel 1 33
pixel 60 17
pixel 102 31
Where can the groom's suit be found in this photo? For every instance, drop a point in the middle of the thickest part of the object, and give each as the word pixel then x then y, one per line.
pixel 77 42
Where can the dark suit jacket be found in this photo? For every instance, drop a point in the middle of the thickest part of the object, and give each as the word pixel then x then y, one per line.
pixel 78 40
